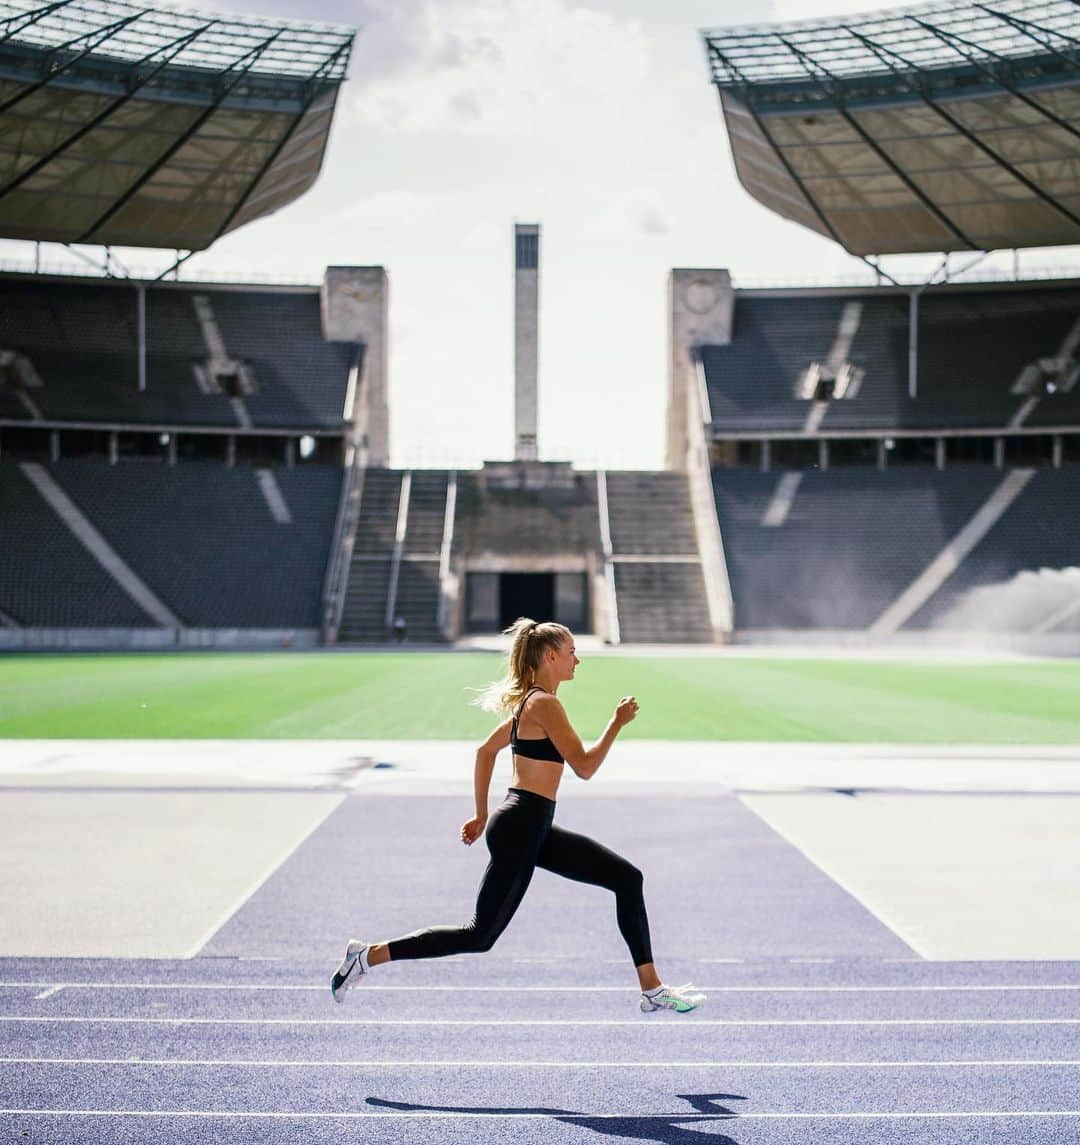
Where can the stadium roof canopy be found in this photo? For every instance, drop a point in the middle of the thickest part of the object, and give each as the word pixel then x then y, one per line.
pixel 948 126
pixel 136 126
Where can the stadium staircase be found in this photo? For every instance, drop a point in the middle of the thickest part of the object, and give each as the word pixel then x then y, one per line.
pixel 418 586
pixel 395 566
pixel 659 585
pixel 363 615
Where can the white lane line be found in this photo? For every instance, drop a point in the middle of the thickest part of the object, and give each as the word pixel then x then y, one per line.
pixel 680 1116
pixel 48 993
pixel 439 1063
pixel 640 1023
pixel 241 987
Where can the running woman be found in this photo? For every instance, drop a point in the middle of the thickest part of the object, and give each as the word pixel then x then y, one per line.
pixel 521 834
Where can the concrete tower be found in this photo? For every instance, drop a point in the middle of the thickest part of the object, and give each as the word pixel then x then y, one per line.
pixel 526 337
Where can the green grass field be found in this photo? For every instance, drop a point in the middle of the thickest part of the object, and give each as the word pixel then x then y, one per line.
pixel 424 696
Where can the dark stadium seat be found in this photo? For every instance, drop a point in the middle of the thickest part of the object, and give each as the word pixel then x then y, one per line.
pixel 47 578
pixel 973 346
pixel 203 538
pixel 82 337
pixel 852 542
pixel 1037 531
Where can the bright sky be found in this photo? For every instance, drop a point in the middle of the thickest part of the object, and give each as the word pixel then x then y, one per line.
pixel 594 118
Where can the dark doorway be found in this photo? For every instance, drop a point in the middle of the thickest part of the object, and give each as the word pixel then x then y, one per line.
pixel 526 594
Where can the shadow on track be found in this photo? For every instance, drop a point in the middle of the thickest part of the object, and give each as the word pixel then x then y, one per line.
pixel 668 1128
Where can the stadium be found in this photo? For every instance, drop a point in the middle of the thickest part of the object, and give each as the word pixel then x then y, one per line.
pixel 236 640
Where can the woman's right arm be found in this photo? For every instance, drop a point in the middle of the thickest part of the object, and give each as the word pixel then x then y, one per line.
pixel 485 765
pixel 551 715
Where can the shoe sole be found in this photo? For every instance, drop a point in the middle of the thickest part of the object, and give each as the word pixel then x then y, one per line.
pixel 673 1009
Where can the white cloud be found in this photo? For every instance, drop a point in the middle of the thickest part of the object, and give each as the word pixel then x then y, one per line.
pixel 499 67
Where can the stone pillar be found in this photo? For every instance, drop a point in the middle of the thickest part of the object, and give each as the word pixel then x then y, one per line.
pixel 701 306
pixel 526 338
pixel 356 308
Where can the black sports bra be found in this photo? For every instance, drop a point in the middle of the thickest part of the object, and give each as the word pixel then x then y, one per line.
pixel 542 748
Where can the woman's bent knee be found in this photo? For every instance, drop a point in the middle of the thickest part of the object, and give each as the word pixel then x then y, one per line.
pixel 632 878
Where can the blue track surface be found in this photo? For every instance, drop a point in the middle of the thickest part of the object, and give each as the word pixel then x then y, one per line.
pixel 541 1039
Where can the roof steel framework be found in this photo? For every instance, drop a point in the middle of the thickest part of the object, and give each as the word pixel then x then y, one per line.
pixel 942 127
pixel 132 32
pixel 127 125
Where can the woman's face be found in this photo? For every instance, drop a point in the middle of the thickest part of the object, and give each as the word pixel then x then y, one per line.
pixel 565 659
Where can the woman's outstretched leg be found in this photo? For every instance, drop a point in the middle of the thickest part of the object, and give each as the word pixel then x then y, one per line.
pixel 514 836
pixel 584 860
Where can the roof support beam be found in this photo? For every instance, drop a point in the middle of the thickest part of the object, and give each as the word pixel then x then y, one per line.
pixel 31 18
pixel 314 89
pixel 792 174
pixel 920 90
pixel 1025 26
pixel 251 58
pixel 832 89
pixel 173 50
pixel 760 123
pixel 95 40
pixel 951 39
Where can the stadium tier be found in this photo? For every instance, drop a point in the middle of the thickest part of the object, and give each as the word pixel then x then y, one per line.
pixel 992 357
pixel 206 545
pixel 848 545
pixel 1037 532
pixel 241 357
pixel 838 549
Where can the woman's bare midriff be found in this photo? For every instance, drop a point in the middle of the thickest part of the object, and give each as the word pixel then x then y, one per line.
pixel 540 776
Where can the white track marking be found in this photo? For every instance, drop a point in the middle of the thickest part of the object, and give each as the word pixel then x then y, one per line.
pixel 275 987
pixel 48 993
pixel 641 1023
pixel 447 1115
pixel 501 1064
pixel 271 869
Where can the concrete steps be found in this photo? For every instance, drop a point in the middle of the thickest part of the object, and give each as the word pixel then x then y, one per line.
pixel 659 584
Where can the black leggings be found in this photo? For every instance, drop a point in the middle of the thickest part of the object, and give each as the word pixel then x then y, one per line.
pixel 521 837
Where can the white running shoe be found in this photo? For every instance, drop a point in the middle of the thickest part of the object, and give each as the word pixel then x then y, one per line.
pixel 351 970
pixel 681 999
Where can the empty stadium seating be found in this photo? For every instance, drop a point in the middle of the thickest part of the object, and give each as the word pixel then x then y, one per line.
pixel 973 345
pixel 47 578
pixel 82 338
pixel 1037 531
pixel 851 542
pixel 202 537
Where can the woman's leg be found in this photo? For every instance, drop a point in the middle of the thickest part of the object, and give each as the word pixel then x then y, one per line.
pixel 586 861
pixel 513 838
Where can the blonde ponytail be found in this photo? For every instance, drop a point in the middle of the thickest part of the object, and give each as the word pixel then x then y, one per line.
pixel 531 639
